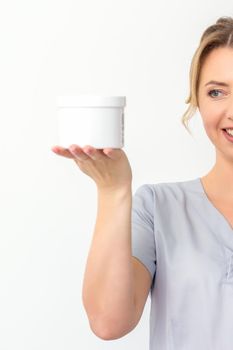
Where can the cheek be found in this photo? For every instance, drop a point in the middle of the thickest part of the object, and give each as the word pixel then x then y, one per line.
pixel 211 116
pixel 211 123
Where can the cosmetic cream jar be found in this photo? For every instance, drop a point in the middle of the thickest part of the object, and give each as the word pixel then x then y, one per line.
pixel 92 120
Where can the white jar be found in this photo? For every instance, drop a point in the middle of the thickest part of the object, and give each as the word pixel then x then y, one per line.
pixel 92 120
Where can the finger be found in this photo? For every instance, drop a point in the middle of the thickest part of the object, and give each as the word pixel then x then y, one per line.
pixel 61 151
pixel 78 153
pixel 93 153
pixel 112 153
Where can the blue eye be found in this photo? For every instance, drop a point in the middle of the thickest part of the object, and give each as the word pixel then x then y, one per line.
pixel 210 93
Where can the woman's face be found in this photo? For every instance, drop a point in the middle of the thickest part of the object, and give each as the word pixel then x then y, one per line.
pixel 215 101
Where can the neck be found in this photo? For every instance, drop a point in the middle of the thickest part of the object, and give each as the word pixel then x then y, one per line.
pixel 220 179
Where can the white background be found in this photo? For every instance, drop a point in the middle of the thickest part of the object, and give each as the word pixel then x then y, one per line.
pixel 141 49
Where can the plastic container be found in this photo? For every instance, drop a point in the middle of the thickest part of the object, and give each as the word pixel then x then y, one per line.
pixel 91 120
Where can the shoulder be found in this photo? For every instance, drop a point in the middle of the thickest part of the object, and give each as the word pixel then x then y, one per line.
pixel 163 190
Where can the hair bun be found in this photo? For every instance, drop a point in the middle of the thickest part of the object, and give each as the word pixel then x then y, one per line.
pixel 225 20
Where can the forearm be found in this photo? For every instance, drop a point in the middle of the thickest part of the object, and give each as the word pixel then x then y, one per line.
pixel 108 287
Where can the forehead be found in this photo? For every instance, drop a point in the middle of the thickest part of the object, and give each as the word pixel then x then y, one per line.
pixel 218 65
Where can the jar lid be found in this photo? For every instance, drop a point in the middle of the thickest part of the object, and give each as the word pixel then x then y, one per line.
pixel 90 101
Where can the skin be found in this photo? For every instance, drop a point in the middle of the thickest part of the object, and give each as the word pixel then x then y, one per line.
pixel 216 111
pixel 108 167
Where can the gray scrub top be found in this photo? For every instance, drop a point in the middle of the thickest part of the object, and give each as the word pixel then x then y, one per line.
pixel 187 246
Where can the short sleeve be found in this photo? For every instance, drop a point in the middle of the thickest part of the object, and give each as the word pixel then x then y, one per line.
pixel 142 227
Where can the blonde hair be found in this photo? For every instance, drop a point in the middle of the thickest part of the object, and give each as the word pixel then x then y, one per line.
pixel 217 35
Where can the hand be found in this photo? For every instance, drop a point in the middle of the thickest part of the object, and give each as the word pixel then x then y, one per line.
pixel 108 167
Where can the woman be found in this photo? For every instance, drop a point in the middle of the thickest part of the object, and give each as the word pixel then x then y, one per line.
pixel 174 240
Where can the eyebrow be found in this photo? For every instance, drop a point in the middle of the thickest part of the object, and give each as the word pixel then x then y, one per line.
pixel 214 82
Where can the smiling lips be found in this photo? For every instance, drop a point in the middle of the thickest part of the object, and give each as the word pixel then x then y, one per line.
pixel 228 136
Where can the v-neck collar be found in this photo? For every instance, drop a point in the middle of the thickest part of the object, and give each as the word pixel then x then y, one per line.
pixel 212 206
